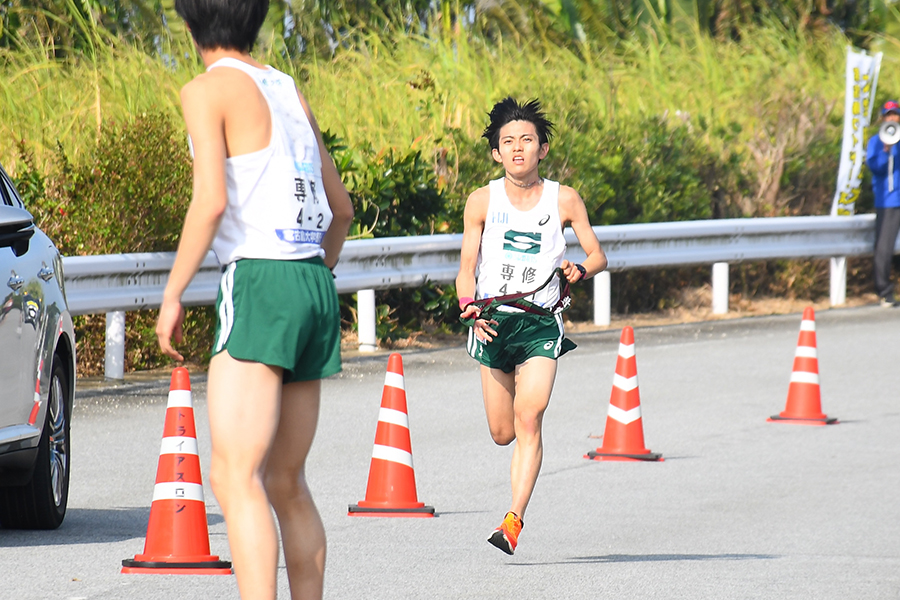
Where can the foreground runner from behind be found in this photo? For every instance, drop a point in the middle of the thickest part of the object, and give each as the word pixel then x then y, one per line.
pixel 513 236
pixel 269 201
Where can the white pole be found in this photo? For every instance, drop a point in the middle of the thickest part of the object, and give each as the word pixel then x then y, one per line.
pixel 365 316
pixel 602 294
pixel 720 288
pixel 838 286
pixel 115 345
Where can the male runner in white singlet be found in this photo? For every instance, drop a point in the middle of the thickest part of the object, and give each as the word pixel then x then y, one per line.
pixel 268 200
pixel 513 240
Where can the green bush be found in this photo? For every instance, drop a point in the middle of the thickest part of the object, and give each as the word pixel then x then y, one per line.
pixel 393 193
pixel 129 194
pixel 652 170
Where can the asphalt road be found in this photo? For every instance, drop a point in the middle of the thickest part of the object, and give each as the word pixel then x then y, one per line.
pixel 740 508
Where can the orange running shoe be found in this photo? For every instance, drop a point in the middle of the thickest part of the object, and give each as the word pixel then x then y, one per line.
pixel 506 536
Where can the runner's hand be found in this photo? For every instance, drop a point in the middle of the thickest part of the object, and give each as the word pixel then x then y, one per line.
pixel 470 312
pixel 168 327
pixel 570 271
pixel 483 330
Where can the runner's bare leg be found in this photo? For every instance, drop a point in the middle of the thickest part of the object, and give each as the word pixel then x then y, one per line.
pixel 302 533
pixel 515 405
pixel 244 400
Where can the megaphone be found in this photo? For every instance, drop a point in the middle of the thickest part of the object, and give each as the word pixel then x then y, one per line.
pixel 889 133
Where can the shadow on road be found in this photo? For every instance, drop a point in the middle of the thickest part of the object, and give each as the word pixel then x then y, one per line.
pixel 88 526
pixel 634 558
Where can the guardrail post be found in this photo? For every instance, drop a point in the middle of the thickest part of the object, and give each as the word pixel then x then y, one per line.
pixel 115 345
pixel 838 286
pixel 365 318
pixel 602 294
pixel 720 288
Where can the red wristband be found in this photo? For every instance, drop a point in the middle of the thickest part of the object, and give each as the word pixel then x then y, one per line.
pixel 465 300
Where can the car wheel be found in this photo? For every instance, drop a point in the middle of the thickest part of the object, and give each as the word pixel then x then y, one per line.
pixel 41 503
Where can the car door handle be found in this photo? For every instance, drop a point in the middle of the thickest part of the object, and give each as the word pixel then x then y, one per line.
pixel 15 282
pixel 46 273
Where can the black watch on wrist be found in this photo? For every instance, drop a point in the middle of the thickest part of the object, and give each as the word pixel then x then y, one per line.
pixel 581 270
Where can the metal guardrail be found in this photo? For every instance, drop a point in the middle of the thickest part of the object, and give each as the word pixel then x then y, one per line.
pixel 126 282
pixel 734 240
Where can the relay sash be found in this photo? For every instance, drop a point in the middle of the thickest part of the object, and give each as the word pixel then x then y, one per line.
pixel 488 306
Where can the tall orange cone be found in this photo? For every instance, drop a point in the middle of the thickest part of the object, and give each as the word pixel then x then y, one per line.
pixel 177 535
pixel 623 438
pixel 804 401
pixel 391 491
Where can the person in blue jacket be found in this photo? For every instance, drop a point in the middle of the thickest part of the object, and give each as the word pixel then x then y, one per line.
pixel 884 162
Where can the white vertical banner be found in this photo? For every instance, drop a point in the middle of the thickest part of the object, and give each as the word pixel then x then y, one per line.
pixel 861 81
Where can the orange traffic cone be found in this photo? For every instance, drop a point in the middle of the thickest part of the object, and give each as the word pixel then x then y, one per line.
pixel 177 535
pixel 623 438
pixel 804 401
pixel 391 491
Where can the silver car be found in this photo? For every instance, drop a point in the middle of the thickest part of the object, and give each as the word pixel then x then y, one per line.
pixel 37 371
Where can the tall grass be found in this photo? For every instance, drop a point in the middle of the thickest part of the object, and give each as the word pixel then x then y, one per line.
pixel 46 102
pixel 431 93
pixel 434 93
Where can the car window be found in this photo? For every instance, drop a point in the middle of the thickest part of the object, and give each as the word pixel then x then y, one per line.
pixel 4 193
pixel 10 197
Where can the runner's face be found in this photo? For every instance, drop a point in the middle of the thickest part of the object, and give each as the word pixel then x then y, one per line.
pixel 520 150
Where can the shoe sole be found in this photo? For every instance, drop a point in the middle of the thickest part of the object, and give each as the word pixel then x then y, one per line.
pixel 499 540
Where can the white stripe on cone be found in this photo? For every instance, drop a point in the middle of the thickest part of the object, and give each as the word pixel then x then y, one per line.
pixel 178 445
pixel 807 325
pixel 394 417
pixel 806 352
pixel 393 455
pixel 179 399
pixel 626 384
pixel 626 351
pixel 625 416
pixel 177 491
pixel 394 380
pixel 804 377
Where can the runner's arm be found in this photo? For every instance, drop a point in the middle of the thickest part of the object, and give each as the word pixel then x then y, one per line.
pixel 338 198
pixel 573 212
pixel 205 121
pixel 473 219
pixel 473 226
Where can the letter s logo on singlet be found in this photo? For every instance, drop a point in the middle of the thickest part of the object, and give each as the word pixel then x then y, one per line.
pixel 518 241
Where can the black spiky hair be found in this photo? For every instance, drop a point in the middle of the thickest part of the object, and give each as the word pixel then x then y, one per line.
pixel 509 110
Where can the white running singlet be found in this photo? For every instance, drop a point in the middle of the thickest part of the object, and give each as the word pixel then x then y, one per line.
pixel 520 250
pixel 277 208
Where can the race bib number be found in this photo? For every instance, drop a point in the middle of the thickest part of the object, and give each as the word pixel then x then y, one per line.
pixel 313 212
